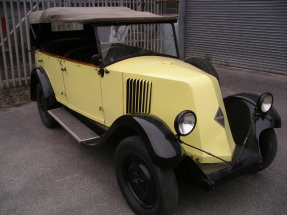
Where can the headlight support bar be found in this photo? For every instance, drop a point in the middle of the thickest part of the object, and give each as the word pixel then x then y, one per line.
pixel 206 152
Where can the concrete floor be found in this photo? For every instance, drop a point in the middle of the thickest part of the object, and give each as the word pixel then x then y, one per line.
pixel 45 171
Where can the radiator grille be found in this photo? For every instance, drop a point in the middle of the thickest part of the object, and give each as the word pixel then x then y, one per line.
pixel 138 96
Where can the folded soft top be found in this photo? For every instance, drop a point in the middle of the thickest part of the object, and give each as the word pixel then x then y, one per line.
pixel 99 15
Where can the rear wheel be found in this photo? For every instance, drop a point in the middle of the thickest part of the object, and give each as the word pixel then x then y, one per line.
pixel 147 188
pixel 204 65
pixel 268 147
pixel 46 118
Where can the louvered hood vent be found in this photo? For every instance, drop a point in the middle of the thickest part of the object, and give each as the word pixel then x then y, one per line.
pixel 138 96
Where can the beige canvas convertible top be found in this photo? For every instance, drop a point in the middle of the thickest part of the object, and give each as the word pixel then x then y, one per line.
pixel 100 15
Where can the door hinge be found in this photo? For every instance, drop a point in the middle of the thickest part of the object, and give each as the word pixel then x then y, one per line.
pixel 102 72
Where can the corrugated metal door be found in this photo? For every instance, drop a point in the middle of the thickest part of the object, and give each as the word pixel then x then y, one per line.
pixel 247 34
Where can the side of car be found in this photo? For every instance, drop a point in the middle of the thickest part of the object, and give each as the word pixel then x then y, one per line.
pixel 166 116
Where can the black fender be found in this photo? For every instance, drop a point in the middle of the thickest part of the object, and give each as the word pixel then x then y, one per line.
pixel 162 145
pixel 38 75
pixel 240 110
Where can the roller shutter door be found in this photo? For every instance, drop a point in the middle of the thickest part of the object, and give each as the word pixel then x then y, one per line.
pixel 247 34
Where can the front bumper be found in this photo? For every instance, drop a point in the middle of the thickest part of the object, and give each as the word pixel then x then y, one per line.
pixel 209 175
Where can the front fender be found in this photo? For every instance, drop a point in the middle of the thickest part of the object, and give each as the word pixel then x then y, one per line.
pixel 161 143
pixel 240 109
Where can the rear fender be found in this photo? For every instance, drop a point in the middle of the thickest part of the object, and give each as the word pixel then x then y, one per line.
pixel 240 109
pixel 38 75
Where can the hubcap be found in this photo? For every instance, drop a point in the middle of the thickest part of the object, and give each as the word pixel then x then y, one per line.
pixel 140 182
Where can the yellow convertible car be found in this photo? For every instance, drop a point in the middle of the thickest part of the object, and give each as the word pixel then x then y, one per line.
pixel 112 75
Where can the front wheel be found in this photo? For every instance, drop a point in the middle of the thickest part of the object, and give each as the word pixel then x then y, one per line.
pixel 147 188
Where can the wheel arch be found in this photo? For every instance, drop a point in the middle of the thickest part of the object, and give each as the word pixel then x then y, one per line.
pixel 240 109
pixel 39 75
pixel 161 143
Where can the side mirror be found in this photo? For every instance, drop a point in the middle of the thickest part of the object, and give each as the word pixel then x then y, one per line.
pixel 97 60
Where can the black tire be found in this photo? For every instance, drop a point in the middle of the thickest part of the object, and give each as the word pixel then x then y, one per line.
pixel 46 118
pixel 268 148
pixel 204 65
pixel 147 188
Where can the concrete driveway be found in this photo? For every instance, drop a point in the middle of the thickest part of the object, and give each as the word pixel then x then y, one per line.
pixel 45 171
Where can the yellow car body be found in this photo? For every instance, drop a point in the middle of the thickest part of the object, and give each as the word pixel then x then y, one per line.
pixel 176 86
pixel 113 75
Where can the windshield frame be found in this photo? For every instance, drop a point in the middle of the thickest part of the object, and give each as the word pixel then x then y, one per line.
pixel 104 64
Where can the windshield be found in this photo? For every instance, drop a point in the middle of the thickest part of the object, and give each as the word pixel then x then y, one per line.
pixel 125 41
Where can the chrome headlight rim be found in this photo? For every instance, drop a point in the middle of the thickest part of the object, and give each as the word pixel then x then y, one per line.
pixel 179 119
pixel 264 102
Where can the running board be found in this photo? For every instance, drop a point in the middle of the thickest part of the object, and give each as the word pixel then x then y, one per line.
pixel 75 127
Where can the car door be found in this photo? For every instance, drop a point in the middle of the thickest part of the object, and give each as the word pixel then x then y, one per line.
pixel 83 89
pixel 51 65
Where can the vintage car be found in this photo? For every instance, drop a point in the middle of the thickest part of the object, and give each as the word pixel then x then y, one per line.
pixel 112 75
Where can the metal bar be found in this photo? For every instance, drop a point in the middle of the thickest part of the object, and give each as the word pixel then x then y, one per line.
pixel 28 36
pixel 181 28
pixel 31 7
pixel 9 44
pixel 175 40
pixel 22 42
pixel 43 5
pixel 16 42
pixel 132 95
pixel 37 4
pixel 149 97
pixel 145 35
pixel 159 35
pixel 207 153
pixel 128 96
pixel 4 56
pixel 137 95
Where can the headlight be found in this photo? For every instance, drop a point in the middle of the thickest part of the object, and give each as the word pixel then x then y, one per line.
pixel 184 123
pixel 264 102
